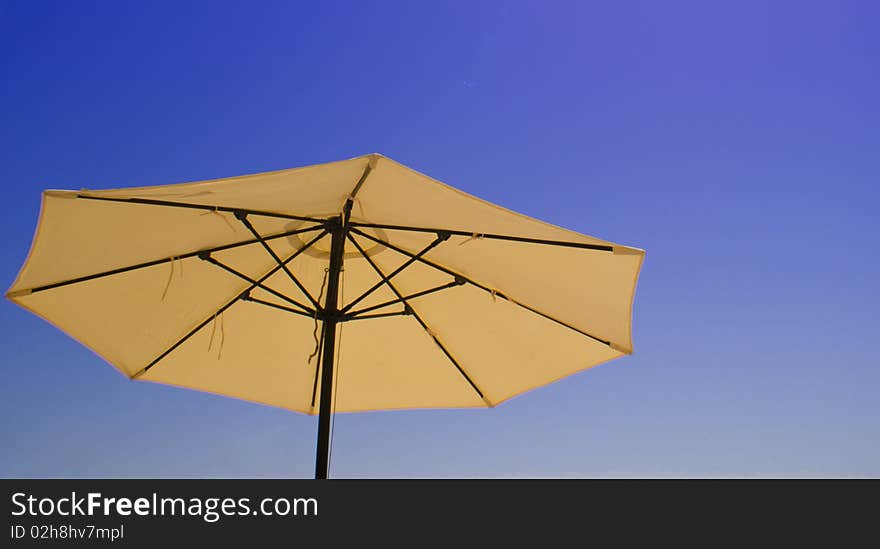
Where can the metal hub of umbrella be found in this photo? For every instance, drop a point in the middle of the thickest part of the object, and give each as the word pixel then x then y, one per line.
pixel 349 286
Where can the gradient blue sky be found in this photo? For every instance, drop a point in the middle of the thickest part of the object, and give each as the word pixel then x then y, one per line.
pixel 737 142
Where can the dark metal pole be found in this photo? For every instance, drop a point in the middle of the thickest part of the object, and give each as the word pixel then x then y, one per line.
pixel 337 229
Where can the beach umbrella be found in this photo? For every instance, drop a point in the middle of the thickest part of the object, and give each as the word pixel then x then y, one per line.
pixel 340 287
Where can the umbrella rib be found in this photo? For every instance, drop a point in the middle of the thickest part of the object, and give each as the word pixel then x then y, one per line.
pixel 442 237
pixel 598 247
pixel 457 282
pixel 154 262
pixel 257 283
pixel 238 296
pixel 421 322
pixel 363 178
pixel 172 204
pixel 481 286
pixel 242 216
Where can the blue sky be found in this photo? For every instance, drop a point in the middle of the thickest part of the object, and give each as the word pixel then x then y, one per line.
pixel 737 142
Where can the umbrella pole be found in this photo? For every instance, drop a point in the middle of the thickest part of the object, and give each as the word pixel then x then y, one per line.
pixel 330 314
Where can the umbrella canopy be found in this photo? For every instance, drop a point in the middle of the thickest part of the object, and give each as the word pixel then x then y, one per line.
pixel 426 296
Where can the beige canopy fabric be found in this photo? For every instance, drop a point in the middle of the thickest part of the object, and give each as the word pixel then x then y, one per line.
pixel 503 303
